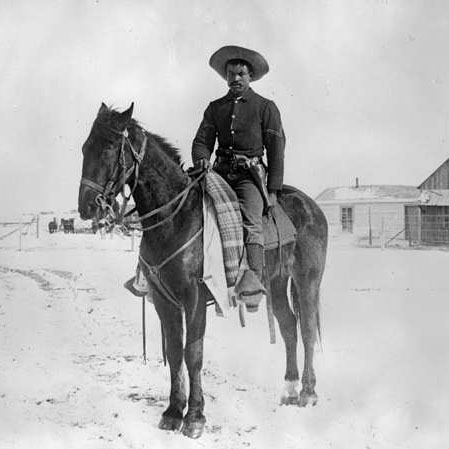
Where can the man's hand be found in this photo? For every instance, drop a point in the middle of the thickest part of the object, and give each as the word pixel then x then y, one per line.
pixel 202 164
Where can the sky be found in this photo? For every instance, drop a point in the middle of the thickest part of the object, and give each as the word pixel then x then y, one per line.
pixel 362 85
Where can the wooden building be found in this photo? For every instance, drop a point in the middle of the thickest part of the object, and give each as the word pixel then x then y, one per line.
pixel 372 212
pixel 428 221
pixel 438 180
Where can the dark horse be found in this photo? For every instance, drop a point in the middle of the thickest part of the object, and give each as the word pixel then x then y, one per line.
pixel 53 226
pixel 117 151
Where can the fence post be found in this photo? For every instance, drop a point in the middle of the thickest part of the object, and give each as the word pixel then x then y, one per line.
pixel 37 225
pixel 20 233
pixel 382 234
pixel 370 231
pixel 409 231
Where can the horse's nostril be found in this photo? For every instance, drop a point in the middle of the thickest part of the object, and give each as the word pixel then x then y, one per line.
pixel 86 211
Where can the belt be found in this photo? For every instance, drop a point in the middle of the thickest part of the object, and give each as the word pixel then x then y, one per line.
pixel 239 161
pixel 230 153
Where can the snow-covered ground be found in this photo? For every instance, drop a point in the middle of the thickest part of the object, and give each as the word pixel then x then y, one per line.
pixel 71 371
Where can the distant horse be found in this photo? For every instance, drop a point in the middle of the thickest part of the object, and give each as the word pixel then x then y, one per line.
pixel 53 226
pixel 118 149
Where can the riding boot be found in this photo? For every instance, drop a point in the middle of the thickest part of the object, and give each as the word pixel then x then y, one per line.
pixel 255 255
pixel 250 288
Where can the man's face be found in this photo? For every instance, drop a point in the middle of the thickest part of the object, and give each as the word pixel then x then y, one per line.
pixel 238 78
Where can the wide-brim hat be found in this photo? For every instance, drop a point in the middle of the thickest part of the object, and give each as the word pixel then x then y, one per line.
pixel 258 63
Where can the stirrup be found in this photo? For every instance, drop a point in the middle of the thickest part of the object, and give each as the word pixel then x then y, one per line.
pixel 132 286
pixel 250 291
pixel 251 301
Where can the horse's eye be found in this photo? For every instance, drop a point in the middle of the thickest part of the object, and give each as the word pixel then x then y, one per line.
pixel 109 153
pixel 110 149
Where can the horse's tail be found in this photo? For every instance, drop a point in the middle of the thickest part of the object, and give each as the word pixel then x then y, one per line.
pixel 314 292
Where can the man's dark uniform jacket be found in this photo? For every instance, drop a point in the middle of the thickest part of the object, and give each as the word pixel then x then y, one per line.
pixel 245 126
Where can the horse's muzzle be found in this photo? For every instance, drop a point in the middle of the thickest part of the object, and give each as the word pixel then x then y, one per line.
pixel 87 206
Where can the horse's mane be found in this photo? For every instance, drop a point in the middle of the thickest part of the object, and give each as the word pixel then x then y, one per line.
pixel 172 152
pixel 111 116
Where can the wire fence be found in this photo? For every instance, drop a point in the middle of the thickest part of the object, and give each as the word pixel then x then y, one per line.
pixel 428 228
pixel 25 226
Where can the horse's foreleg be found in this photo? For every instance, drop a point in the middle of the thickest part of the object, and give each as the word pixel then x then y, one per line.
pixel 172 324
pixel 309 309
pixel 288 327
pixel 194 421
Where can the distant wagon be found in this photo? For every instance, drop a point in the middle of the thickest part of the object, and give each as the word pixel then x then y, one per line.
pixel 68 225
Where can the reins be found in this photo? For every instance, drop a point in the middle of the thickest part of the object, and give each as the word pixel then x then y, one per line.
pixel 154 271
pixel 182 197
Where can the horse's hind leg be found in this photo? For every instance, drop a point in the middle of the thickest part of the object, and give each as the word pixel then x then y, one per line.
pixel 172 324
pixel 288 327
pixel 194 420
pixel 307 296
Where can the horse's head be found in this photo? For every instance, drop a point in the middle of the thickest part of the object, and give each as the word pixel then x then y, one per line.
pixel 106 163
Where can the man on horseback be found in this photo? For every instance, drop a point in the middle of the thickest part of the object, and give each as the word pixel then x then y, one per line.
pixel 245 124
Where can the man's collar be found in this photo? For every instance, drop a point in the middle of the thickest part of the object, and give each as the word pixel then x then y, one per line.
pixel 244 97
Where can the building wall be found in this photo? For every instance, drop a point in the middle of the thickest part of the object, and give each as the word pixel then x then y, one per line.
pixel 435 225
pixel 384 219
pixel 439 179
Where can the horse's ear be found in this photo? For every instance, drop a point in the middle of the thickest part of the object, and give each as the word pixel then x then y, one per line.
pixel 127 115
pixel 103 108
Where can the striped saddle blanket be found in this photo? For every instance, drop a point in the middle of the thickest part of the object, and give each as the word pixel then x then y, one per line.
pixel 223 201
pixel 278 228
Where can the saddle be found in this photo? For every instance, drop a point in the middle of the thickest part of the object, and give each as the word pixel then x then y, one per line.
pixel 278 229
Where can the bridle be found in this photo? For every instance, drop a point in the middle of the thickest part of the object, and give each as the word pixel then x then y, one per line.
pixel 117 181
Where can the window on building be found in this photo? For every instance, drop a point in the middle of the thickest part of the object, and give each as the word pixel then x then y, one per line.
pixel 346 219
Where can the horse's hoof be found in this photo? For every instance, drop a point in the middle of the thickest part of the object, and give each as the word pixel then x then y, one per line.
pixel 306 398
pixel 170 423
pixel 290 400
pixel 193 429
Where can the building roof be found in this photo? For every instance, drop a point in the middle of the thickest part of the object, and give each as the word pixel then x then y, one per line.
pixel 434 173
pixel 434 197
pixel 369 194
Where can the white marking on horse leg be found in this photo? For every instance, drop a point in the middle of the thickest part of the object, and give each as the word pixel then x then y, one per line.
pixel 290 395
pixel 290 388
